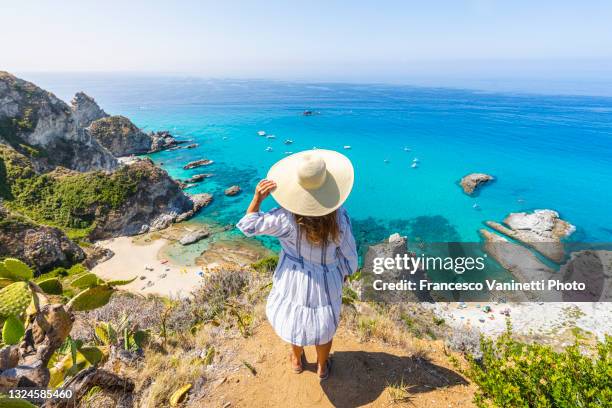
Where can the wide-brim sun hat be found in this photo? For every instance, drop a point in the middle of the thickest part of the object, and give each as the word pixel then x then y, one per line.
pixel 313 182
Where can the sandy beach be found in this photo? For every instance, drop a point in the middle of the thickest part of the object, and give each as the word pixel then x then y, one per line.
pixel 551 319
pixel 155 275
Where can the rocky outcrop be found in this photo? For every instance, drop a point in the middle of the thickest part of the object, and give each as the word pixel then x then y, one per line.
pixel 395 246
pixel 523 264
pixel 194 236
pixel 199 201
pixel 120 136
pixel 156 202
pixel 197 163
pixel 197 178
pixel 42 247
pixel 471 182
pixel 541 230
pixel 38 124
pixel 232 191
pixel 86 110
pixel 161 140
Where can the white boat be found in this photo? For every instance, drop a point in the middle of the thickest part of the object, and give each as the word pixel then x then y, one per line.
pixel 261 133
pixel 268 149
pixel 386 160
pixel 415 160
pixel 347 147
pixel 288 152
pixel 407 149
pixel 270 137
pixel 288 141
pixel 414 165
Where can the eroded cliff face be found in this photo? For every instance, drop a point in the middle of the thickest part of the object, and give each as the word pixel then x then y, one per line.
pixel 155 203
pixel 86 110
pixel 38 124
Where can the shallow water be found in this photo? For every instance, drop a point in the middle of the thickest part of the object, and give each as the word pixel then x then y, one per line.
pixel 545 151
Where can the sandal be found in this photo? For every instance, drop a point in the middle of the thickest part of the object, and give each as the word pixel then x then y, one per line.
pixel 300 369
pixel 328 366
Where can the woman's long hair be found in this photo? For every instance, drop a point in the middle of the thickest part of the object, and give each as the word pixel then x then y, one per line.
pixel 319 230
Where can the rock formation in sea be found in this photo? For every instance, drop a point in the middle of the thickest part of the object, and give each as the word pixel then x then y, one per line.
pixel 38 124
pixel 473 181
pixel 232 191
pixel 542 230
pixel 40 246
pixel 162 139
pixel 197 163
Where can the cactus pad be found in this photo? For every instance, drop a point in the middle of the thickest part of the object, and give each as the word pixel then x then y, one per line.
pixel 13 330
pixel 91 298
pixel 16 270
pixel 85 280
pixel 120 282
pixel 14 299
pixel 52 286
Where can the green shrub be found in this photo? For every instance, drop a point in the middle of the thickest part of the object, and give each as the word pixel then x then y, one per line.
pixel 266 265
pixel 71 201
pixel 515 374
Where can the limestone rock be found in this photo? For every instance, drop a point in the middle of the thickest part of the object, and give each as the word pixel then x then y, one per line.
pixel 47 130
pixel 542 230
pixel 42 247
pixel 232 191
pixel 197 163
pixel 120 136
pixel 194 236
pixel 86 110
pixel 472 181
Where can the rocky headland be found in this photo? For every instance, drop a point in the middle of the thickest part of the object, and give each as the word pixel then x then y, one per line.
pixel 60 179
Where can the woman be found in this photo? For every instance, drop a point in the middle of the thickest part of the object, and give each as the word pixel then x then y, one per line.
pixel 318 248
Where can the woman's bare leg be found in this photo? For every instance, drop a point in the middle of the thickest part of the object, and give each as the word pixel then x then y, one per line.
pixel 296 356
pixel 322 356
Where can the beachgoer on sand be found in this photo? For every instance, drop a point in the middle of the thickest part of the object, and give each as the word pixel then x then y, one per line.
pixel 318 248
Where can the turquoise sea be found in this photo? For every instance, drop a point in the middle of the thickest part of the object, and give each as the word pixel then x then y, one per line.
pixel 545 151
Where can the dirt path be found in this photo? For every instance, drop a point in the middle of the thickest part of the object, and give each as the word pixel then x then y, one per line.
pixel 360 376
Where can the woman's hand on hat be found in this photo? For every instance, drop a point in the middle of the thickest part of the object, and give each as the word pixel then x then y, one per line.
pixel 263 189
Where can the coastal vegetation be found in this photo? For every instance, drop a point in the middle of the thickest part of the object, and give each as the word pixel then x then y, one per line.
pixel 69 200
pixel 511 373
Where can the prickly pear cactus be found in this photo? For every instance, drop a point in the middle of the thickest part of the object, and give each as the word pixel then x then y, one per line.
pixel 14 299
pixel 15 270
pixel 91 298
pixel 52 286
pixel 85 280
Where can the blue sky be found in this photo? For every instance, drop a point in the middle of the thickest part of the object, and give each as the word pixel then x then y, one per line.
pixel 326 40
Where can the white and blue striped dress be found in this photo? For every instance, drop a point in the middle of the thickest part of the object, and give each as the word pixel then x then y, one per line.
pixel 304 304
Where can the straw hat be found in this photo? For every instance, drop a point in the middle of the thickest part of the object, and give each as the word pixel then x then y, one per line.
pixel 312 182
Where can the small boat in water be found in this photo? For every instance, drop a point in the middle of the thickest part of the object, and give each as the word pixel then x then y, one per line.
pixel 407 149
pixel 415 160
pixel 261 133
pixel 386 161
pixel 270 137
pixel 414 165
pixel 288 141
pixel 268 149
pixel 347 147
pixel 307 113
